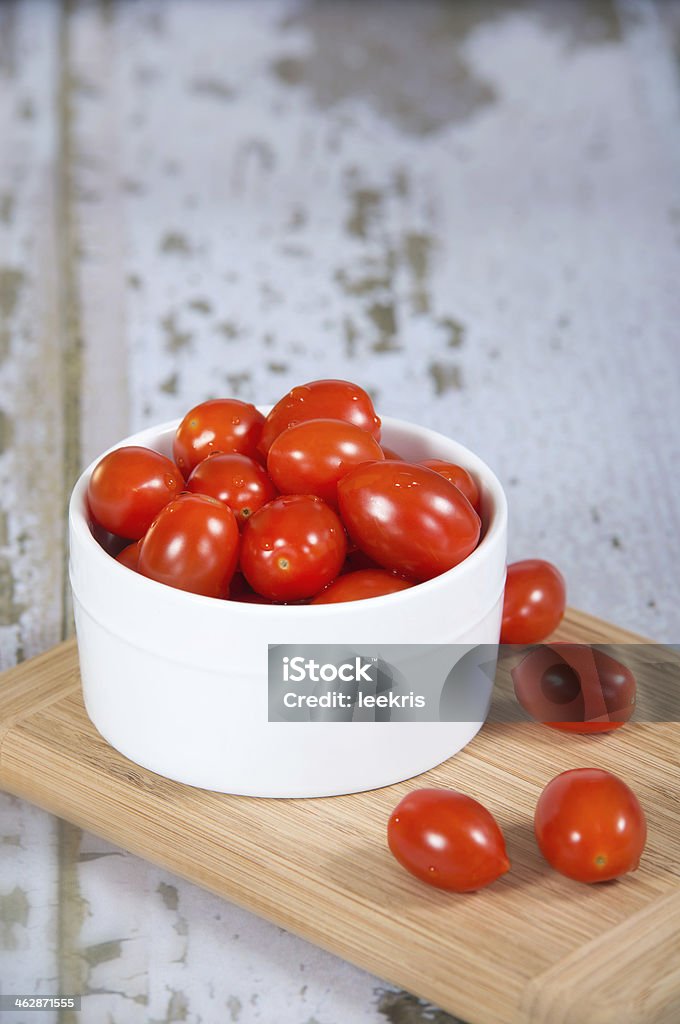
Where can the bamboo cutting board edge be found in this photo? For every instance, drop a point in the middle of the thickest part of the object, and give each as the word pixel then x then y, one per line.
pixel 45 723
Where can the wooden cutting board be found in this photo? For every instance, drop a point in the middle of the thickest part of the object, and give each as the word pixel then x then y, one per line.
pixel 533 947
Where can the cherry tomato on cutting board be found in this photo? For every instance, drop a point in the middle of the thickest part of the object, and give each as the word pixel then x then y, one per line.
pixel 356 586
pixel 234 479
pixel 575 687
pixel 292 548
pixel 192 545
pixel 534 603
pixel 447 839
pixel 459 476
pixel 408 518
pixel 333 399
pixel 129 487
pixel 311 457
pixel 220 425
pixel 590 826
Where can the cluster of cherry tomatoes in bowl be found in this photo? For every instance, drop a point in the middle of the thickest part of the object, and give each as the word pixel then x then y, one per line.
pixel 303 505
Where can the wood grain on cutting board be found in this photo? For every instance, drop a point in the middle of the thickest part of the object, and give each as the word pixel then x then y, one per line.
pixel 533 947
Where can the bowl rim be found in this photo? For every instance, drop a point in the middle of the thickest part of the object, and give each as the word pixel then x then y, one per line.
pixel 496 527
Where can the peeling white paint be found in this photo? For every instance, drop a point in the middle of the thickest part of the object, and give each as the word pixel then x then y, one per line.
pixel 31 492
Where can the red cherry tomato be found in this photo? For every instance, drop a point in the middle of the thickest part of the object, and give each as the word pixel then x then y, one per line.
pixel 575 688
pixel 292 548
pixel 459 476
pixel 356 586
pixel 408 518
pixel 221 425
pixel 334 399
pixel 192 545
pixel 535 599
pixel 590 826
pixel 129 556
pixel 237 480
pixel 310 457
pixel 129 487
pixel 447 839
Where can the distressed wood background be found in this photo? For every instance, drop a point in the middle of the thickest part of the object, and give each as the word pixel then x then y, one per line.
pixel 471 208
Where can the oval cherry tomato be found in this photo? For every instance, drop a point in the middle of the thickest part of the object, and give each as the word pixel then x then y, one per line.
pixel 535 599
pixel 192 545
pixel 129 556
pixel 408 518
pixel 356 586
pixel 590 826
pixel 129 487
pixel 292 548
pixel 310 457
pixel 447 839
pixel 575 688
pixel 220 425
pixel 457 475
pixel 237 480
pixel 333 399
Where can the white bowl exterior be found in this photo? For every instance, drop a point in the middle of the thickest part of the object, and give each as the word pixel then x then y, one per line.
pixel 178 682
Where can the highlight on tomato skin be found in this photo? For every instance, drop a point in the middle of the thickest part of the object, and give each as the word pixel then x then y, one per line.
pixel 590 826
pixel 534 602
pixel 313 456
pixel 459 476
pixel 447 840
pixel 408 518
pixel 129 487
pixel 234 479
pixel 333 399
pixel 192 545
pixel 218 425
pixel 292 547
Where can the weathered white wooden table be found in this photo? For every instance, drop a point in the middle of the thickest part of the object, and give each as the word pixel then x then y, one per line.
pixel 471 208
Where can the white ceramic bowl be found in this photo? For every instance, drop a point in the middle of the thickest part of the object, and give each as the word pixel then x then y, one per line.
pixel 177 682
